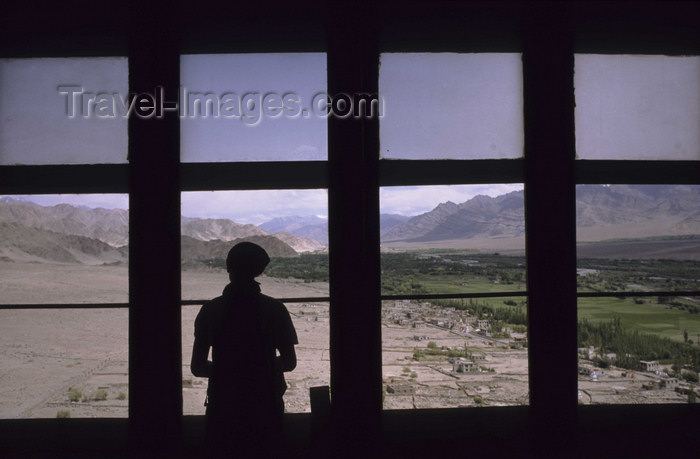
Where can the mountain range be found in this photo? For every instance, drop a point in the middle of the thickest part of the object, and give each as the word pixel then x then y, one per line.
pixel 67 233
pixel 602 212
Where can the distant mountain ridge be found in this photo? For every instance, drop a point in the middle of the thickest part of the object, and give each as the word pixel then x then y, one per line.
pixel 209 229
pixel 601 210
pixel 20 243
pixel 483 216
pixel 316 228
pixel 310 226
pixel 195 254
pixel 111 226
pixel 70 234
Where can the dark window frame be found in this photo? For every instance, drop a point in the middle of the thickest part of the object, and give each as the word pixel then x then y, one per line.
pixel 548 37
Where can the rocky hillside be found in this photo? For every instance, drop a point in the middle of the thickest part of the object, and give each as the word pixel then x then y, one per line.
pixel 300 244
pixel 602 212
pixel 672 209
pixel 309 227
pixel 20 243
pixel 198 254
pixel 70 234
pixel 110 226
pixel 481 216
pixel 209 229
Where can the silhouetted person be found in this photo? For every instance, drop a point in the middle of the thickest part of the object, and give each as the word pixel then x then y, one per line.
pixel 244 329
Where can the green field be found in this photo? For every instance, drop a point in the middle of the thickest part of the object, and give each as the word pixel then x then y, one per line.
pixel 649 317
pixel 460 271
pixel 412 273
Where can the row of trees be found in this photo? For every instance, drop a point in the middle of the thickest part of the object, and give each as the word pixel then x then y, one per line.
pixel 631 346
pixel 494 267
pixel 511 314
pixel 617 275
pixel 309 267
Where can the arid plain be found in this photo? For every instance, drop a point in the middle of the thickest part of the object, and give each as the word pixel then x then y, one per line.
pixel 48 356
pixel 76 360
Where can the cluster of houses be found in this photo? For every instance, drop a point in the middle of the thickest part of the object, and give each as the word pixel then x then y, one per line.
pixel 663 380
pixel 421 315
pixel 314 312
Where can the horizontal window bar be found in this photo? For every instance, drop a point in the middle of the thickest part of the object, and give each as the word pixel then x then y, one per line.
pixel 254 175
pixel 395 172
pixel 126 305
pixel 61 179
pixel 447 296
pixel 316 299
pixel 306 43
pixel 637 172
pixel 626 294
pixel 66 306
pixel 319 299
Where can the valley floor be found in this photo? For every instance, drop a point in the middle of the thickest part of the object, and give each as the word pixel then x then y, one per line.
pixel 59 361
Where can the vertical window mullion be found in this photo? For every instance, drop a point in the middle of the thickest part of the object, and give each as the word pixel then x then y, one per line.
pixel 550 231
pixel 155 362
pixel 353 202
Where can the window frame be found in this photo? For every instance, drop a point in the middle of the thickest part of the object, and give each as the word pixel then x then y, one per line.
pixel 547 35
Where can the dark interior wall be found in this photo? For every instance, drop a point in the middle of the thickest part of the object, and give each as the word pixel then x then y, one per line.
pixel 546 33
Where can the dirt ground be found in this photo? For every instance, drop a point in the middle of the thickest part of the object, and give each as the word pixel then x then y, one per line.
pixel 432 383
pixel 76 360
pixel 47 356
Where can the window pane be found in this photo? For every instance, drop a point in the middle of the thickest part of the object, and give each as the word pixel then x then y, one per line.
pixel 638 238
pixel 453 352
pixel 64 363
pixel 292 227
pixel 451 106
pixel 63 110
pixel 64 249
pixel 637 107
pixel 311 322
pixel 253 107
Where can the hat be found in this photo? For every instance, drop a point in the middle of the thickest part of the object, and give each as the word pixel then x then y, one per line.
pixel 247 259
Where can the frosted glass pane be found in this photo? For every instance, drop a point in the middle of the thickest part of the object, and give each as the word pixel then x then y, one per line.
pixel 637 107
pixel 451 106
pixel 63 110
pixel 253 107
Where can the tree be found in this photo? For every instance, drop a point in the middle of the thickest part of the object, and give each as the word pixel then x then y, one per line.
pixel 691 376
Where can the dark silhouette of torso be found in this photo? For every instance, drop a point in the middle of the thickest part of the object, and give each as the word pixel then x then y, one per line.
pixel 244 409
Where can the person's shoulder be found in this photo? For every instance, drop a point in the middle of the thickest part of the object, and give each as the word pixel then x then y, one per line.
pixel 270 302
pixel 212 305
pixel 273 307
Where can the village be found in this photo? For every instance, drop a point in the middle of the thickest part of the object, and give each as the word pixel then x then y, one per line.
pixel 433 357
pixel 441 357
pixel 655 383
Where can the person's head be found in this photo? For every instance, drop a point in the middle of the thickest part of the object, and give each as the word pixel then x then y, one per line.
pixel 246 260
